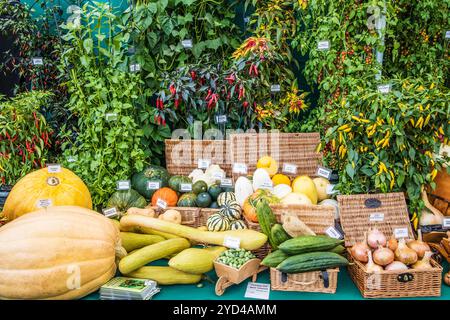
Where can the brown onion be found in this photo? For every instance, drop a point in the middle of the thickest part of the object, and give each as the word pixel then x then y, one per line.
pixel 405 254
pixel 383 256
pixel 392 244
pixel 396 266
pixel 359 251
pixel 376 238
pixel 371 266
pixel 418 245
pixel 424 264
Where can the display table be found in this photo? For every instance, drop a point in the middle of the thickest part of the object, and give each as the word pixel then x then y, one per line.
pixel 346 290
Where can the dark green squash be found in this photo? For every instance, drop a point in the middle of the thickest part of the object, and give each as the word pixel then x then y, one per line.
pixel 176 181
pixel 214 190
pixel 123 200
pixel 187 200
pixel 204 200
pixel 153 173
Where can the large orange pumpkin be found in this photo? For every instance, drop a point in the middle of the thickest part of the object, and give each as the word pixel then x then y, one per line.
pixel 41 188
pixel 167 195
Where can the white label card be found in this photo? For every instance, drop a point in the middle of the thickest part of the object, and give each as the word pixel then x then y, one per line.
pixel 226 182
pixel 135 67
pixel 44 203
pixel 187 44
pixel 186 187
pixel 323 45
pixel 257 290
pixel 71 159
pixel 247 19
pixel 333 233
pixel 240 168
pixel 376 217
pixel 161 203
pixel 38 61
pixel 447 34
pixel 446 223
pixel 275 88
pixel 232 242
pixel 111 116
pixel 203 163
pixel 401 233
pixel 153 185
pixel 222 118
pixel 268 185
pixel 289 168
pixel 324 172
pixel 330 189
pixel 123 185
pixel 54 168
pixel 110 212
pixel 218 175
pixel 384 88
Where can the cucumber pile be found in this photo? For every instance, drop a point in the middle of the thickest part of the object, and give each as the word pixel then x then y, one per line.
pixel 235 258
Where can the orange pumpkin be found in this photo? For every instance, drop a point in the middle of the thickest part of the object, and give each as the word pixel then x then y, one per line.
pixel 249 206
pixel 167 195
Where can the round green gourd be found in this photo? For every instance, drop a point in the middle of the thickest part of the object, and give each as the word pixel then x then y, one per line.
pixel 153 173
pixel 123 200
pixel 214 190
pixel 231 210
pixel 204 200
pixel 226 197
pixel 217 222
pixel 187 200
pixel 176 181
pixel 237 224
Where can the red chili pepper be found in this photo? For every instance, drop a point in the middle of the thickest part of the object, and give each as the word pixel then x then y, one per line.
pixel 193 75
pixel 209 94
pixel 7 136
pixel 164 122
pixel 241 92
pixel 177 103
pixel 245 104
pixel 230 78
pixel 14 138
pixel 172 89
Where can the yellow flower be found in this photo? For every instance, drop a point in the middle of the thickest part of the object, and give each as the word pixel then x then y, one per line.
pixel 303 3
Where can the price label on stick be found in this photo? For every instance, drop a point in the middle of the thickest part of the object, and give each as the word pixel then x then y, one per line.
pixel 38 61
pixel 257 290
pixel 330 189
pixel 226 183
pixel 376 217
pixel 323 45
pixel 333 233
pixel 135 67
pixel 203 163
pixel 289 168
pixel 324 172
pixel 222 118
pixel 384 88
pixel 247 19
pixel 44 203
pixel 123 185
pixel 111 116
pixel 267 185
pixel 187 43
pixel 71 159
pixel 110 212
pixel 186 187
pixel 275 88
pixel 447 34
pixel 401 233
pixel 231 242
pixel 54 168
pixel 153 185
pixel 446 223
pixel 240 168
pixel 161 203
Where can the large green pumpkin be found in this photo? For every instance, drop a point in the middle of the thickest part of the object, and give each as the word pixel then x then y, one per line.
pixel 176 181
pixel 152 173
pixel 123 200
pixel 187 200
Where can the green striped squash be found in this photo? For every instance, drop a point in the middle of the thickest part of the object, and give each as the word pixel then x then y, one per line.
pixel 225 198
pixel 231 210
pixel 217 222
pixel 237 224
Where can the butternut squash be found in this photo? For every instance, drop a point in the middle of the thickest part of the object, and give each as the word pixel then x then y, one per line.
pixel 249 239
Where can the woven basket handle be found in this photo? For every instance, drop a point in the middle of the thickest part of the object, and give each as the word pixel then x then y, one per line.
pixel 304 283
pixel 308 283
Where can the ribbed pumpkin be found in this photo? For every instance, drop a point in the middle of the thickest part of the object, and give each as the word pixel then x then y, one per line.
pixel 217 222
pixel 231 210
pixel 166 194
pixel 63 188
pixel 43 254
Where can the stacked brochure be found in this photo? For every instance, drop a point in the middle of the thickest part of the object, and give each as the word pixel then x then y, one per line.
pixel 122 288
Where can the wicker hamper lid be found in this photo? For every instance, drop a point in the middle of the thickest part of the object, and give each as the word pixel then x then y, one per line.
pixel 387 212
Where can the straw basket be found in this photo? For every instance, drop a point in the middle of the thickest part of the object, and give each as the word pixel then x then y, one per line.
pixel 318 218
pixel 182 155
pixel 314 281
pixel 298 149
pixel 190 216
pixel 205 213
pixel 357 213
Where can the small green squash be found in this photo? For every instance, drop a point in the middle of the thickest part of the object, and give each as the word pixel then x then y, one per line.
pixel 123 200
pixel 187 200
pixel 152 173
pixel 176 181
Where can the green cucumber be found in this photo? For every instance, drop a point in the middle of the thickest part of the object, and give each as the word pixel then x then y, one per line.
pixel 340 249
pixel 274 258
pixel 312 261
pixel 278 234
pixel 303 244
pixel 266 220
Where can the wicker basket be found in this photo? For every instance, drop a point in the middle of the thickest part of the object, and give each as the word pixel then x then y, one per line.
pixel 318 218
pixel 291 148
pixel 205 213
pixel 182 155
pixel 190 216
pixel 314 281
pixel 356 213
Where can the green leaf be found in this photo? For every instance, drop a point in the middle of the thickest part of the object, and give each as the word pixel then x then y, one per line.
pixel 88 45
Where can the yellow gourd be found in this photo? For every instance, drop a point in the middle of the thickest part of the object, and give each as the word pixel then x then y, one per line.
pixel 41 188
pixel 132 241
pixel 165 275
pixel 57 253
pixel 195 260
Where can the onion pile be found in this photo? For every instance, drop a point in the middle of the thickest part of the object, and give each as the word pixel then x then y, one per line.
pixel 378 253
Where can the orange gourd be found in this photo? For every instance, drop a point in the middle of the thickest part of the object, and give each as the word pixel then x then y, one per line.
pixel 167 195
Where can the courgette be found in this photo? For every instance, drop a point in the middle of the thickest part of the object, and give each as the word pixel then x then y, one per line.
pixel 305 244
pixel 312 261
pixel 278 234
pixel 274 258
pixel 266 220
pixel 165 275
pixel 195 260
pixel 132 241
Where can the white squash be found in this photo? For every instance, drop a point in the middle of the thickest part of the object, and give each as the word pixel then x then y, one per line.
pixel 331 203
pixel 296 198
pixel 243 189
pixel 195 173
pixel 282 190
pixel 261 179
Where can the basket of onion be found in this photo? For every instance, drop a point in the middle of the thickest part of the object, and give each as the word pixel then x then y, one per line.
pixel 386 261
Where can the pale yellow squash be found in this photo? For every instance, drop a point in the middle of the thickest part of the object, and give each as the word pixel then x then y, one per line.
pixel 41 188
pixel 57 253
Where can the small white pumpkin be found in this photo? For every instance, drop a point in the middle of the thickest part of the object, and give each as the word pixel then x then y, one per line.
pixel 261 179
pixel 243 189
pixel 281 190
